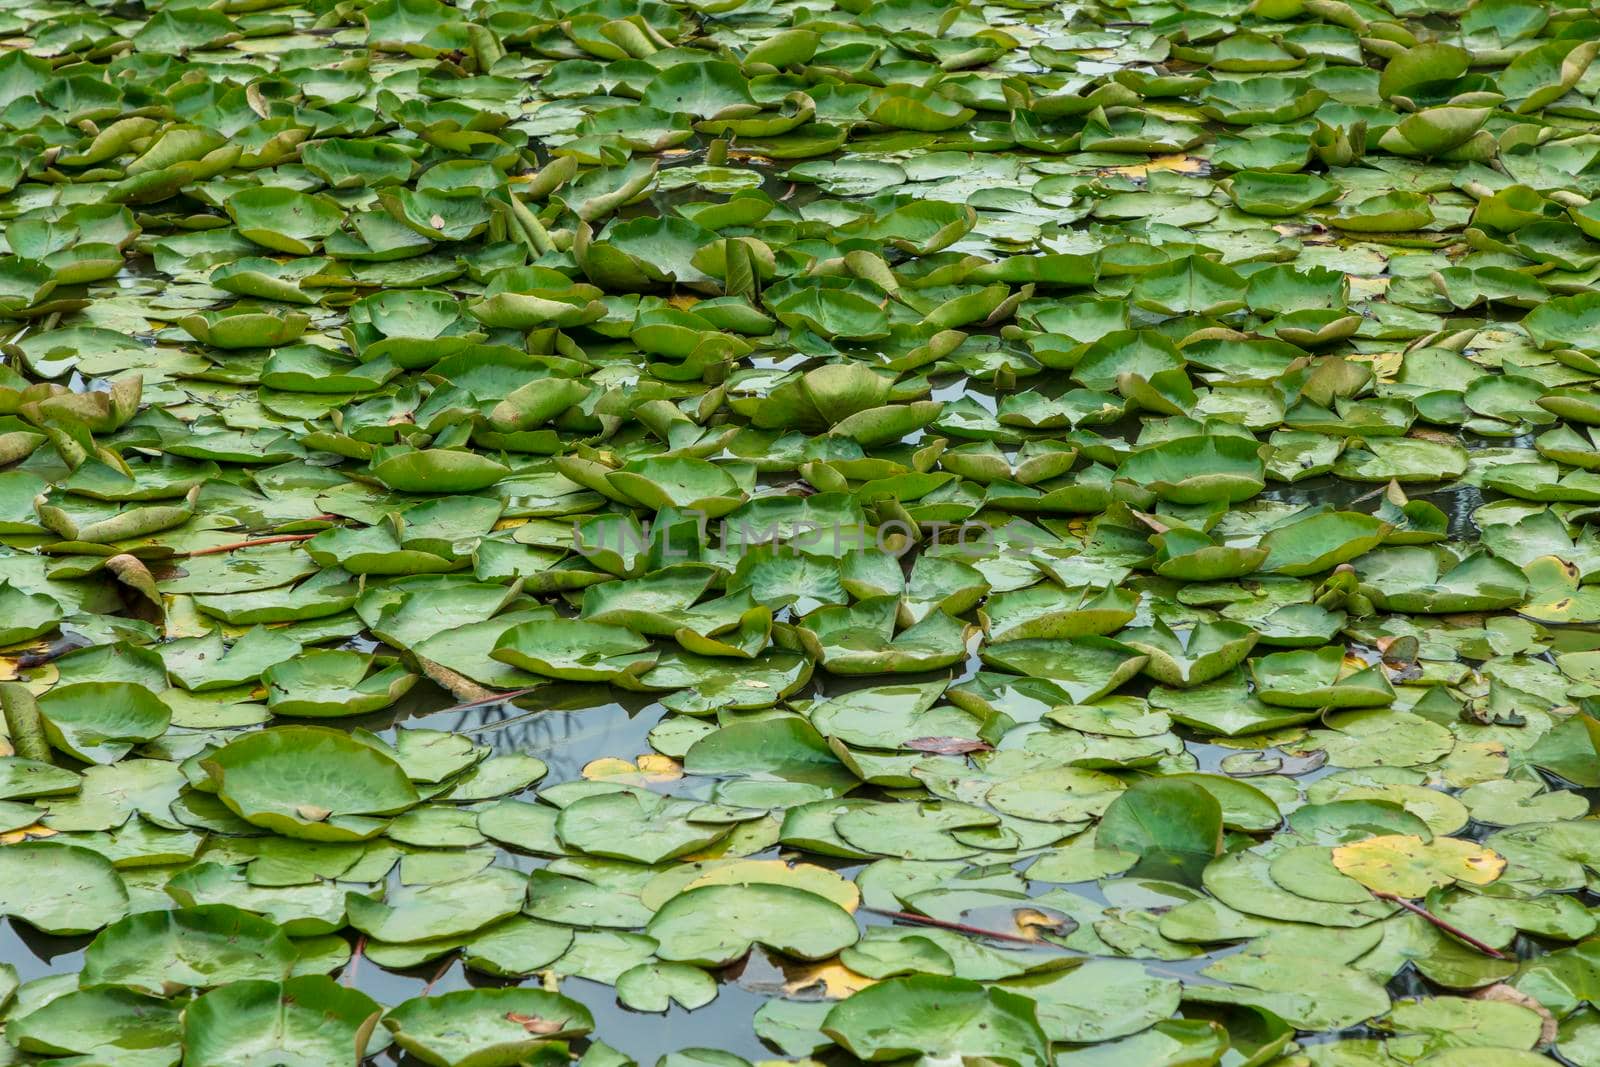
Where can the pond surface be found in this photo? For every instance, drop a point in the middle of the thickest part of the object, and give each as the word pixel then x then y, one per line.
pixel 695 533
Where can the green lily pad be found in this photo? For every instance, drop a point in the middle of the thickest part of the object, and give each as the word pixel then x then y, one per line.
pixel 1058 477
pixel 100 722
pixel 576 650
pixel 716 924
pixel 311 783
pixel 938 1016
pixel 164 951
pixel 330 684
pixel 105 1022
pixel 1318 678
pixel 448 909
pixel 481 1027
pixel 636 826
pixel 284 220
pixel 1175 828
pixel 60 888
pixel 306 1016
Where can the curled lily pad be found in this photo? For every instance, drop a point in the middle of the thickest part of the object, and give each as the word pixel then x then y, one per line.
pixel 435 470
pixel 1192 556
pixel 205 663
pixel 576 650
pixel 330 684
pixel 1386 213
pixel 1195 656
pixel 410 328
pixel 284 220
pixel 1318 678
pixel 862 640
pixel 1047 610
pixel 244 326
pixel 1567 322
pixel 1195 470
pixel 27 615
pixel 100 722
pixel 689 483
pixel 1083 669
pixel 1277 195
pixel 1417 580
pixel 541 298
pixel 448 909
pixel 1320 542
pixel 88 521
pixel 1131 457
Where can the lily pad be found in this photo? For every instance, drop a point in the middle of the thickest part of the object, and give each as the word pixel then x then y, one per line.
pixel 931 1015
pixel 484 1026
pixel 716 924
pixel 311 783
pixel 305 1016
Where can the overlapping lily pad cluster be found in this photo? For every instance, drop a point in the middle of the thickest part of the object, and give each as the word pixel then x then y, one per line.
pixel 1093 502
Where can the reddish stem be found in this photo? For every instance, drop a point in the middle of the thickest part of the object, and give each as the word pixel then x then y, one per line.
pixel 1453 931
pixel 348 978
pixel 944 924
pixel 279 539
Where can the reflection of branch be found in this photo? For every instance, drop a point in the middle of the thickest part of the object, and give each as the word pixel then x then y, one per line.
pixel 551 723
pixel 449 961
pixel 53 651
pixel 1455 932
pixel 536 719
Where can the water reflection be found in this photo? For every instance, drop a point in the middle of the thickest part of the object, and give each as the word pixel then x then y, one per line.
pixel 1457 500
pixel 36 955
pixel 566 726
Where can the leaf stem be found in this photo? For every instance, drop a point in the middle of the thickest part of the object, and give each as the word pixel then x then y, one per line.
pixel 977 931
pixel 1453 931
pixel 348 978
pixel 945 924
pixel 234 546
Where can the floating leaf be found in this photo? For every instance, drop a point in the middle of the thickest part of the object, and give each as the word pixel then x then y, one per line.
pixel 938 1016
pixel 310 782
pixel 484 1025
pixel 1410 866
